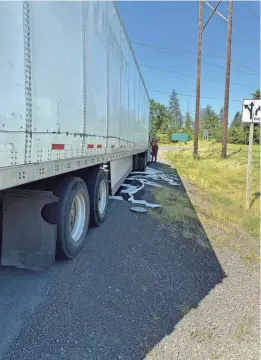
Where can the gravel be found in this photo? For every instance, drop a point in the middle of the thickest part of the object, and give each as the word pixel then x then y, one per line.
pixel 224 326
pixel 226 323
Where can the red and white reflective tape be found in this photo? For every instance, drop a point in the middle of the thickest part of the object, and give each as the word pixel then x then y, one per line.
pixel 57 146
pixel 92 146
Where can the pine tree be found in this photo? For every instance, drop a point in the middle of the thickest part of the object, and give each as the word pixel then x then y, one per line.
pixel 188 125
pixel 210 120
pixel 188 122
pixel 175 111
pixel 236 132
pixel 159 118
pixel 256 94
pixel 221 115
pixel 237 120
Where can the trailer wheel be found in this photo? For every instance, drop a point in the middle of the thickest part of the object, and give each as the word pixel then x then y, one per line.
pixel 140 163
pixel 72 218
pixel 98 188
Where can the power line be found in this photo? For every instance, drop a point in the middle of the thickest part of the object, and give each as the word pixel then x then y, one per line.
pixel 189 95
pixel 214 10
pixel 246 67
pixel 234 26
pixel 246 35
pixel 185 57
pixel 188 111
pixel 190 52
pixel 172 49
pixel 206 63
pixel 192 76
pixel 252 10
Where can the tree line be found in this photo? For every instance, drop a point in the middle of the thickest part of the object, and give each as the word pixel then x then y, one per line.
pixel 166 120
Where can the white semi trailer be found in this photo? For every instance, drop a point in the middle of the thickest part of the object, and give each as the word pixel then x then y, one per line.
pixel 74 121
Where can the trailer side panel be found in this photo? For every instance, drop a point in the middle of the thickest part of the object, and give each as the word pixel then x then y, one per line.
pixel 74 98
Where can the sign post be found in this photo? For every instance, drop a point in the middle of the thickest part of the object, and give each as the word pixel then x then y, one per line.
pixel 180 137
pixel 249 165
pixel 251 114
pixel 205 134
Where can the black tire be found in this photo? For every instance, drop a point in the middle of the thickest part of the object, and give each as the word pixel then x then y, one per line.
pixel 93 180
pixel 148 158
pixel 69 188
pixel 141 162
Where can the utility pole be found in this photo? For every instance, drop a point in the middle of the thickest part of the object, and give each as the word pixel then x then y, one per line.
pixel 196 125
pixel 200 31
pixel 227 85
pixel 228 62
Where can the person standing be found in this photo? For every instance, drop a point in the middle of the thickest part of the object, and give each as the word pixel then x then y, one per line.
pixel 155 150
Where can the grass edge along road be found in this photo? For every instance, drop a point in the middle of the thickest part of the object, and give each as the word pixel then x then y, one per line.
pixel 217 190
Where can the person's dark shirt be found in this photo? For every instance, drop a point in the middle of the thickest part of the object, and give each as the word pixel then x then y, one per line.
pixel 155 148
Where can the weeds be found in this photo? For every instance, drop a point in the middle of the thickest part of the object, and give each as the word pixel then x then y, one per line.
pixel 243 328
pixel 203 335
pixel 185 309
pixel 217 189
pixel 223 182
pixel 179 215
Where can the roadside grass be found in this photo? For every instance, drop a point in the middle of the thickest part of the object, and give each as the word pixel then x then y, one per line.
pixel 165 144
pixel 217 190
pixel 201 335
pixel 182 145
pixel 179 215
pixel 185 309
pixel 243 328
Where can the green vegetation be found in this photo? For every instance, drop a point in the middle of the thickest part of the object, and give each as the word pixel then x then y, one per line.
pixel 216 186
pixel 211 121
pixel 175 111
pixel 217 189
pixel 179 215
pixel 201 335
pixel 185 309
pixel 238 133
pixel 243 328
pixel 160 120
pixel 166 120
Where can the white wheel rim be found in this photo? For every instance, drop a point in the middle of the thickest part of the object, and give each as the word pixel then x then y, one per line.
pixel 102 197
pixel 77 217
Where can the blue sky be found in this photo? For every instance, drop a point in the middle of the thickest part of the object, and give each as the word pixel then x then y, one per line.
pixel 174 24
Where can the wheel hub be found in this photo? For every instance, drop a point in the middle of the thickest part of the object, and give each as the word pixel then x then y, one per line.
pixel 77 217
pixel 102 197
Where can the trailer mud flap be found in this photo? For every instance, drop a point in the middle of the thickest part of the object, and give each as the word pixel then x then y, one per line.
pixel 28 241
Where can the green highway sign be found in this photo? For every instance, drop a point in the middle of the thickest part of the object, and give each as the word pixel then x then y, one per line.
pixel 180 137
